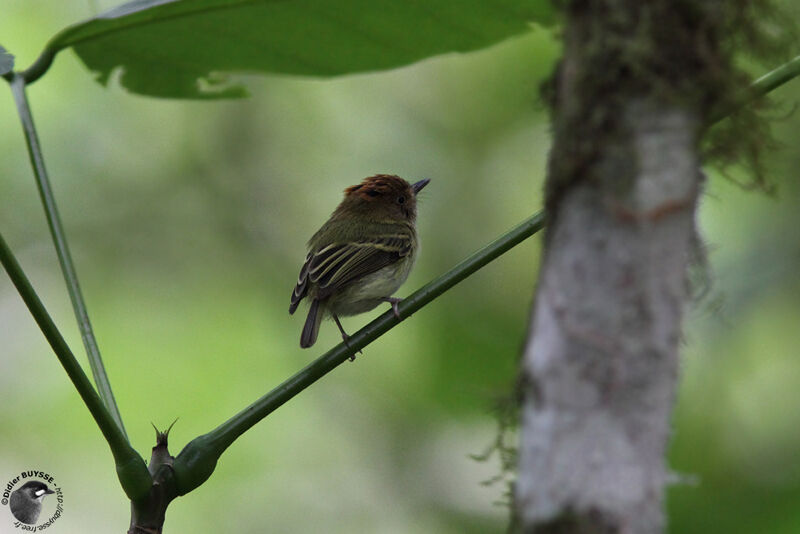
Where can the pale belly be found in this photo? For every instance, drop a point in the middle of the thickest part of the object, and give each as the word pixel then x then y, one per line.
pixel 368 292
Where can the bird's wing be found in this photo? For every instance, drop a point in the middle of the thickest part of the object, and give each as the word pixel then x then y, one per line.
pixel 338 264
pixel 301 288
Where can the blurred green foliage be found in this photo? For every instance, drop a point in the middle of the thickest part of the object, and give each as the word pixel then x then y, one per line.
pixel 188 223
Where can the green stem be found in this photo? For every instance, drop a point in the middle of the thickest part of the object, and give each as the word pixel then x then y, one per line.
pixel 775 78
pixel 197 460
pixel 131 469
pixel 760 87
pixel 40 66
pixel 62 250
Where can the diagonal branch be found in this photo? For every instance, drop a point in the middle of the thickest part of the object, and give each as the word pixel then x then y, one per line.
pixel 760 87
pixel 774 79
pixel 197 460
pixel 131 470
pixel 62 250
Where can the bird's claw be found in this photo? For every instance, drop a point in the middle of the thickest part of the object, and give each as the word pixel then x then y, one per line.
pixel 346 340
pixel 394 301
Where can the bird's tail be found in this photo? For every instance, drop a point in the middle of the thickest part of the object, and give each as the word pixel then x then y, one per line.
pixel 311 328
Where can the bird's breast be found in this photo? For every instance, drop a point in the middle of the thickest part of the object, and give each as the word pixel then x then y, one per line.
pixel 368 291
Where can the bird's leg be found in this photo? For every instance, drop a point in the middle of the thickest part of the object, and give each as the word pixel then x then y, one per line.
pixel 394 301
pixel 345 337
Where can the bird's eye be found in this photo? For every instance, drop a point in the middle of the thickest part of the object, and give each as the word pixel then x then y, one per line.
pixel 373 193
pixel 401 200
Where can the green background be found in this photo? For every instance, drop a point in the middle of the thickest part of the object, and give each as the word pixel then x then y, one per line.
pixel 188 221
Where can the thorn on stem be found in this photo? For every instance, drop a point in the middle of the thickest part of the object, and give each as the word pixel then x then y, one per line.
pixel 161 436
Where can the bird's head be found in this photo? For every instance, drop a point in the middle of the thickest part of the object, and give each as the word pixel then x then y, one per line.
pixel 383 197
pixel 35 490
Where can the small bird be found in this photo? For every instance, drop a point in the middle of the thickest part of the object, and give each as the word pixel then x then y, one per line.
pixel 26 502
pixel 361 255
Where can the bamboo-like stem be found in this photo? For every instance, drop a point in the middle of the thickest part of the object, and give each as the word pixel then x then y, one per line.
pixel 760 87
pixel 197 460
pixel 62 250
pixel 774 79
pixel 131 469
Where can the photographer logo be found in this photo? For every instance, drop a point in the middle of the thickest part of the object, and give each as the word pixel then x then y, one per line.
pixel 34 499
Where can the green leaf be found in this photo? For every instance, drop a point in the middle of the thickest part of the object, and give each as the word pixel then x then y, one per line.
pixel 183 48
pixel 6 61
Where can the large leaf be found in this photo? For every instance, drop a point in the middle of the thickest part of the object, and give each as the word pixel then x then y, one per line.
pixel 180 48
pixel 6 61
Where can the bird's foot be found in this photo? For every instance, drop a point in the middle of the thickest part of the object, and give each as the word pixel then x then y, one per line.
pixel 394 301
pixel 345 338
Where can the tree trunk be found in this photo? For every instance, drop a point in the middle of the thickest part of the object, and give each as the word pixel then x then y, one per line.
pixel 601 361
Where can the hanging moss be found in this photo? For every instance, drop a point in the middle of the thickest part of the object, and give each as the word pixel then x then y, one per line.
pixel 683 53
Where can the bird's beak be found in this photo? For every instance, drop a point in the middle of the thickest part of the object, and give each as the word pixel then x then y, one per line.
pixel 48 491
pixel 417 187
